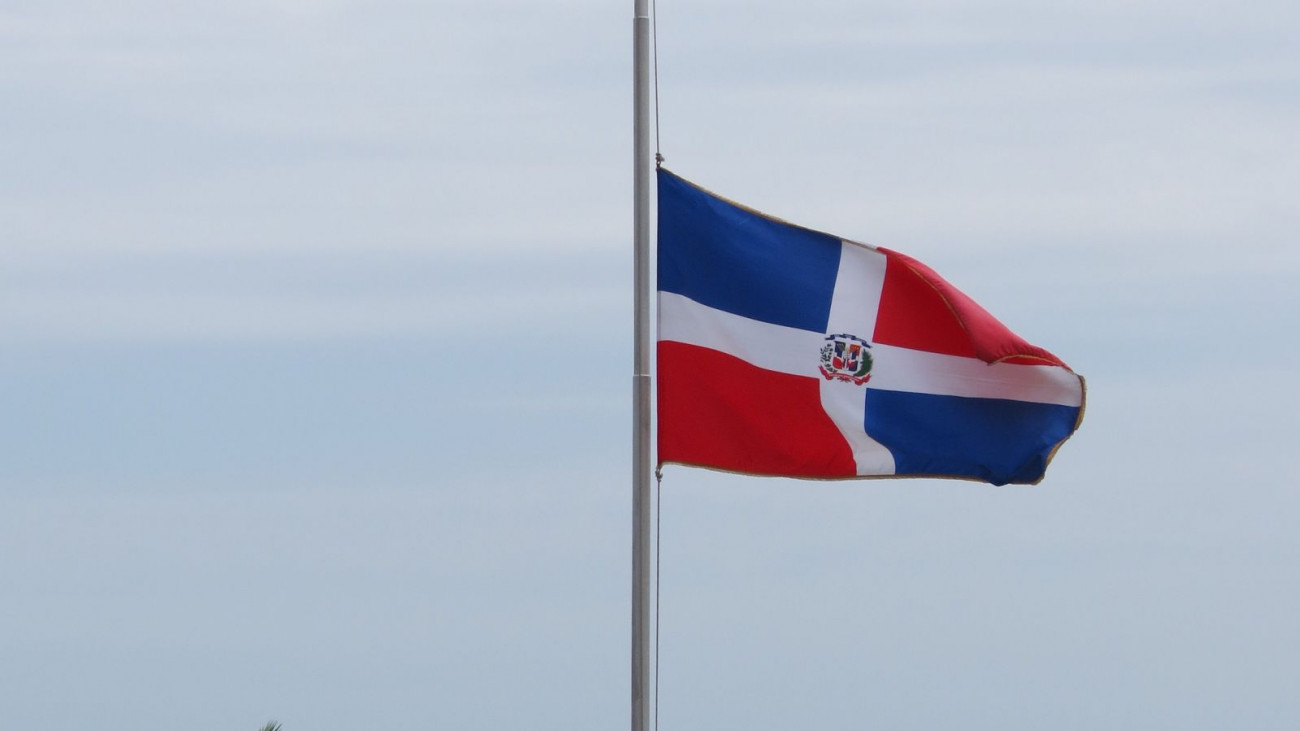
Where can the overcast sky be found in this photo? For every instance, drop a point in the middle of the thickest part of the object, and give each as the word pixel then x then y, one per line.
pixel 315 355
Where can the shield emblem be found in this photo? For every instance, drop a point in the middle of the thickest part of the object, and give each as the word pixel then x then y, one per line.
pixel 846 357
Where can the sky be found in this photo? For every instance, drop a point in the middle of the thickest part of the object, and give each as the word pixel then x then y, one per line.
pixel 315 358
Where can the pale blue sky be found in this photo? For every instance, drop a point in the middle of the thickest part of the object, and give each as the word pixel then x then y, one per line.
pixel 315 359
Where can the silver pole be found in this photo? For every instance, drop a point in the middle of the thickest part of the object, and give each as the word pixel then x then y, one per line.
pixel 641 370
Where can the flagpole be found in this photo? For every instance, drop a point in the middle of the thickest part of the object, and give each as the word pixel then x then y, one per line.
pixel 641 369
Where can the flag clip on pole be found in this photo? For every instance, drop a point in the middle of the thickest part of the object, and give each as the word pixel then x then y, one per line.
pixel 641 468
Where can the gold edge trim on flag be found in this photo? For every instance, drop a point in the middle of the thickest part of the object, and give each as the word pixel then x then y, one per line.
pixel 847 478
pixel 1078 421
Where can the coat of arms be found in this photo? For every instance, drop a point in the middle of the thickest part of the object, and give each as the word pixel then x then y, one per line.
pixel 846 358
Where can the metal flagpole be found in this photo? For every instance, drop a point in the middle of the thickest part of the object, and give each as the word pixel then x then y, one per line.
pixel 641 469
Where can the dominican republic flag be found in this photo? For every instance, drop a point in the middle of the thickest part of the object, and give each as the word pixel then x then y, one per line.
pixel 785 351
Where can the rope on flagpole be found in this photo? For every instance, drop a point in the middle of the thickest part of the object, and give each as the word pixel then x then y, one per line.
pixel 659 504
pixel 659 475
pixel 654 46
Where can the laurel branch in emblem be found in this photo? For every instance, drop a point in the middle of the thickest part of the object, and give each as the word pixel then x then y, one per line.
pixel 846 357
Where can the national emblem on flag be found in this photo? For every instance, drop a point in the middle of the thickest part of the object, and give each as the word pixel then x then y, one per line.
pixel 847 358
pixel 785 351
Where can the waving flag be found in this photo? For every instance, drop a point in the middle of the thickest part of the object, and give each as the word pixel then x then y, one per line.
pixel 784 351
